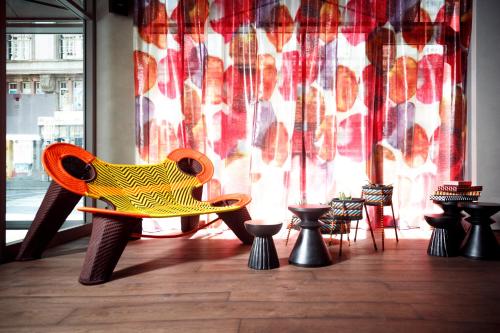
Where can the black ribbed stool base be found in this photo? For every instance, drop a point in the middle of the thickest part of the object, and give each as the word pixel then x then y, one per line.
pixel 447 235
pixel 440 244
pixel 263 254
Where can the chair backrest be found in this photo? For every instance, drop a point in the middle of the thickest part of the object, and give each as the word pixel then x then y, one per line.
pixel 129 187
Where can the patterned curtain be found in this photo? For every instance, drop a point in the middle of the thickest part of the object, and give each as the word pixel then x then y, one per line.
pixel 296 101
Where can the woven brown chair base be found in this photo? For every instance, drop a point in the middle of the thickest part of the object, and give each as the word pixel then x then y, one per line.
pixel 107 242
pixel 55 208
pixel 235 220
pixel 189 223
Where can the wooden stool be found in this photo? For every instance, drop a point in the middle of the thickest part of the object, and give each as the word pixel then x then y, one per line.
pixel 263 254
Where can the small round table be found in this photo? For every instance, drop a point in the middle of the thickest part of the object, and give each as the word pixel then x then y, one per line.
pixel 263 254
pixel 480 242
pixel 448 232
pixel 309 249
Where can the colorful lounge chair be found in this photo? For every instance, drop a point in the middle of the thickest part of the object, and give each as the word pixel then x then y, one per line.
pixel 132 192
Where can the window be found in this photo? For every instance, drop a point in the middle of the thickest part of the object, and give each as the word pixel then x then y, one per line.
pixel 19 47
pixel 63 95
pixel 78 95
pixel 26 88
pixel 38 89
pixel 71 47
pixel 12 88
pixel 34 121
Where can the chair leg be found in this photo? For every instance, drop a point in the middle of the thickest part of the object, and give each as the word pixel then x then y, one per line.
pixel 54 209
pixel 331 233
pixel 381 214
pixel 189 223
pixel 348 231
pixel 136 232
pixel 341 237
pixel 356 232
pixel 109 237
pixel 371 229
pixel 395 224
pixel 235 220
pixel 289 230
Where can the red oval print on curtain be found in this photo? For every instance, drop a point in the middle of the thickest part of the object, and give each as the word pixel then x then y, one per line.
pixel 145 71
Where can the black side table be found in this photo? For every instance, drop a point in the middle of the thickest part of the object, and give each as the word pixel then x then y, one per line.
pixel 448 232
pixel 480 242
pixel 263 254
pixel 310 249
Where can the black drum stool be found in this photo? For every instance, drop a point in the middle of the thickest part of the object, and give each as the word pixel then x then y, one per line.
pixel 480 241
pixel 446 237
pixel 263 254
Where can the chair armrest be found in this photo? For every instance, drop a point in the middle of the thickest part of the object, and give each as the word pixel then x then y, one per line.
pixel 207 169
pixel 52 161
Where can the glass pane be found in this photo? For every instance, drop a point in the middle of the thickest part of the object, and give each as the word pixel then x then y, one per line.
pixel 44 105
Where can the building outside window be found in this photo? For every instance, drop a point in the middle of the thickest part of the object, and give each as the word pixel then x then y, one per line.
pixel 19 47
pixel 48 106
pixel 63 94
pixel 78 95
pixel 12 88
pixel 26 86
pixel 70 47
pixel 38 88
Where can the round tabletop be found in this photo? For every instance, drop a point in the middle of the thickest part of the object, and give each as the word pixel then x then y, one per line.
pixel 480 208
pixel 308 207
pixel 446 203
pixel 478 204
pixel 309 213
pixel 440 221
pixel 262 228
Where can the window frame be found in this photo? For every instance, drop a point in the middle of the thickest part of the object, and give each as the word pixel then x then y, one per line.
pixel 30 89
pixel 66 44
pixel 12 91
pixel 26 54
pixel 87 15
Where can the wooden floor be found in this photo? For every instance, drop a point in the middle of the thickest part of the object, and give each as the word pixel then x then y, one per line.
pixel 204 285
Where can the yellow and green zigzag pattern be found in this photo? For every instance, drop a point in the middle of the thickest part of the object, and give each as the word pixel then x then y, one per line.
pixel 157 190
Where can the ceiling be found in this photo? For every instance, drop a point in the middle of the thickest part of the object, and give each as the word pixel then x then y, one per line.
pixel 39 9
pixel 43 16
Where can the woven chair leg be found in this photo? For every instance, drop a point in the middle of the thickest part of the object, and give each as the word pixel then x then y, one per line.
pixel 331 233
pixel 341 238
pixel 371 229
pixel 235 220
pixel 356 233
pixel 107 242
pixel 348 231
pixel 189 223
pixel 395 223
pixel 54 209
pixel 136 231
pixel 290 226
pixel 380 210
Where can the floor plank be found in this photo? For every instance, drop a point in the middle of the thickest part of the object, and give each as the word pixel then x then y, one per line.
pixel 193 285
